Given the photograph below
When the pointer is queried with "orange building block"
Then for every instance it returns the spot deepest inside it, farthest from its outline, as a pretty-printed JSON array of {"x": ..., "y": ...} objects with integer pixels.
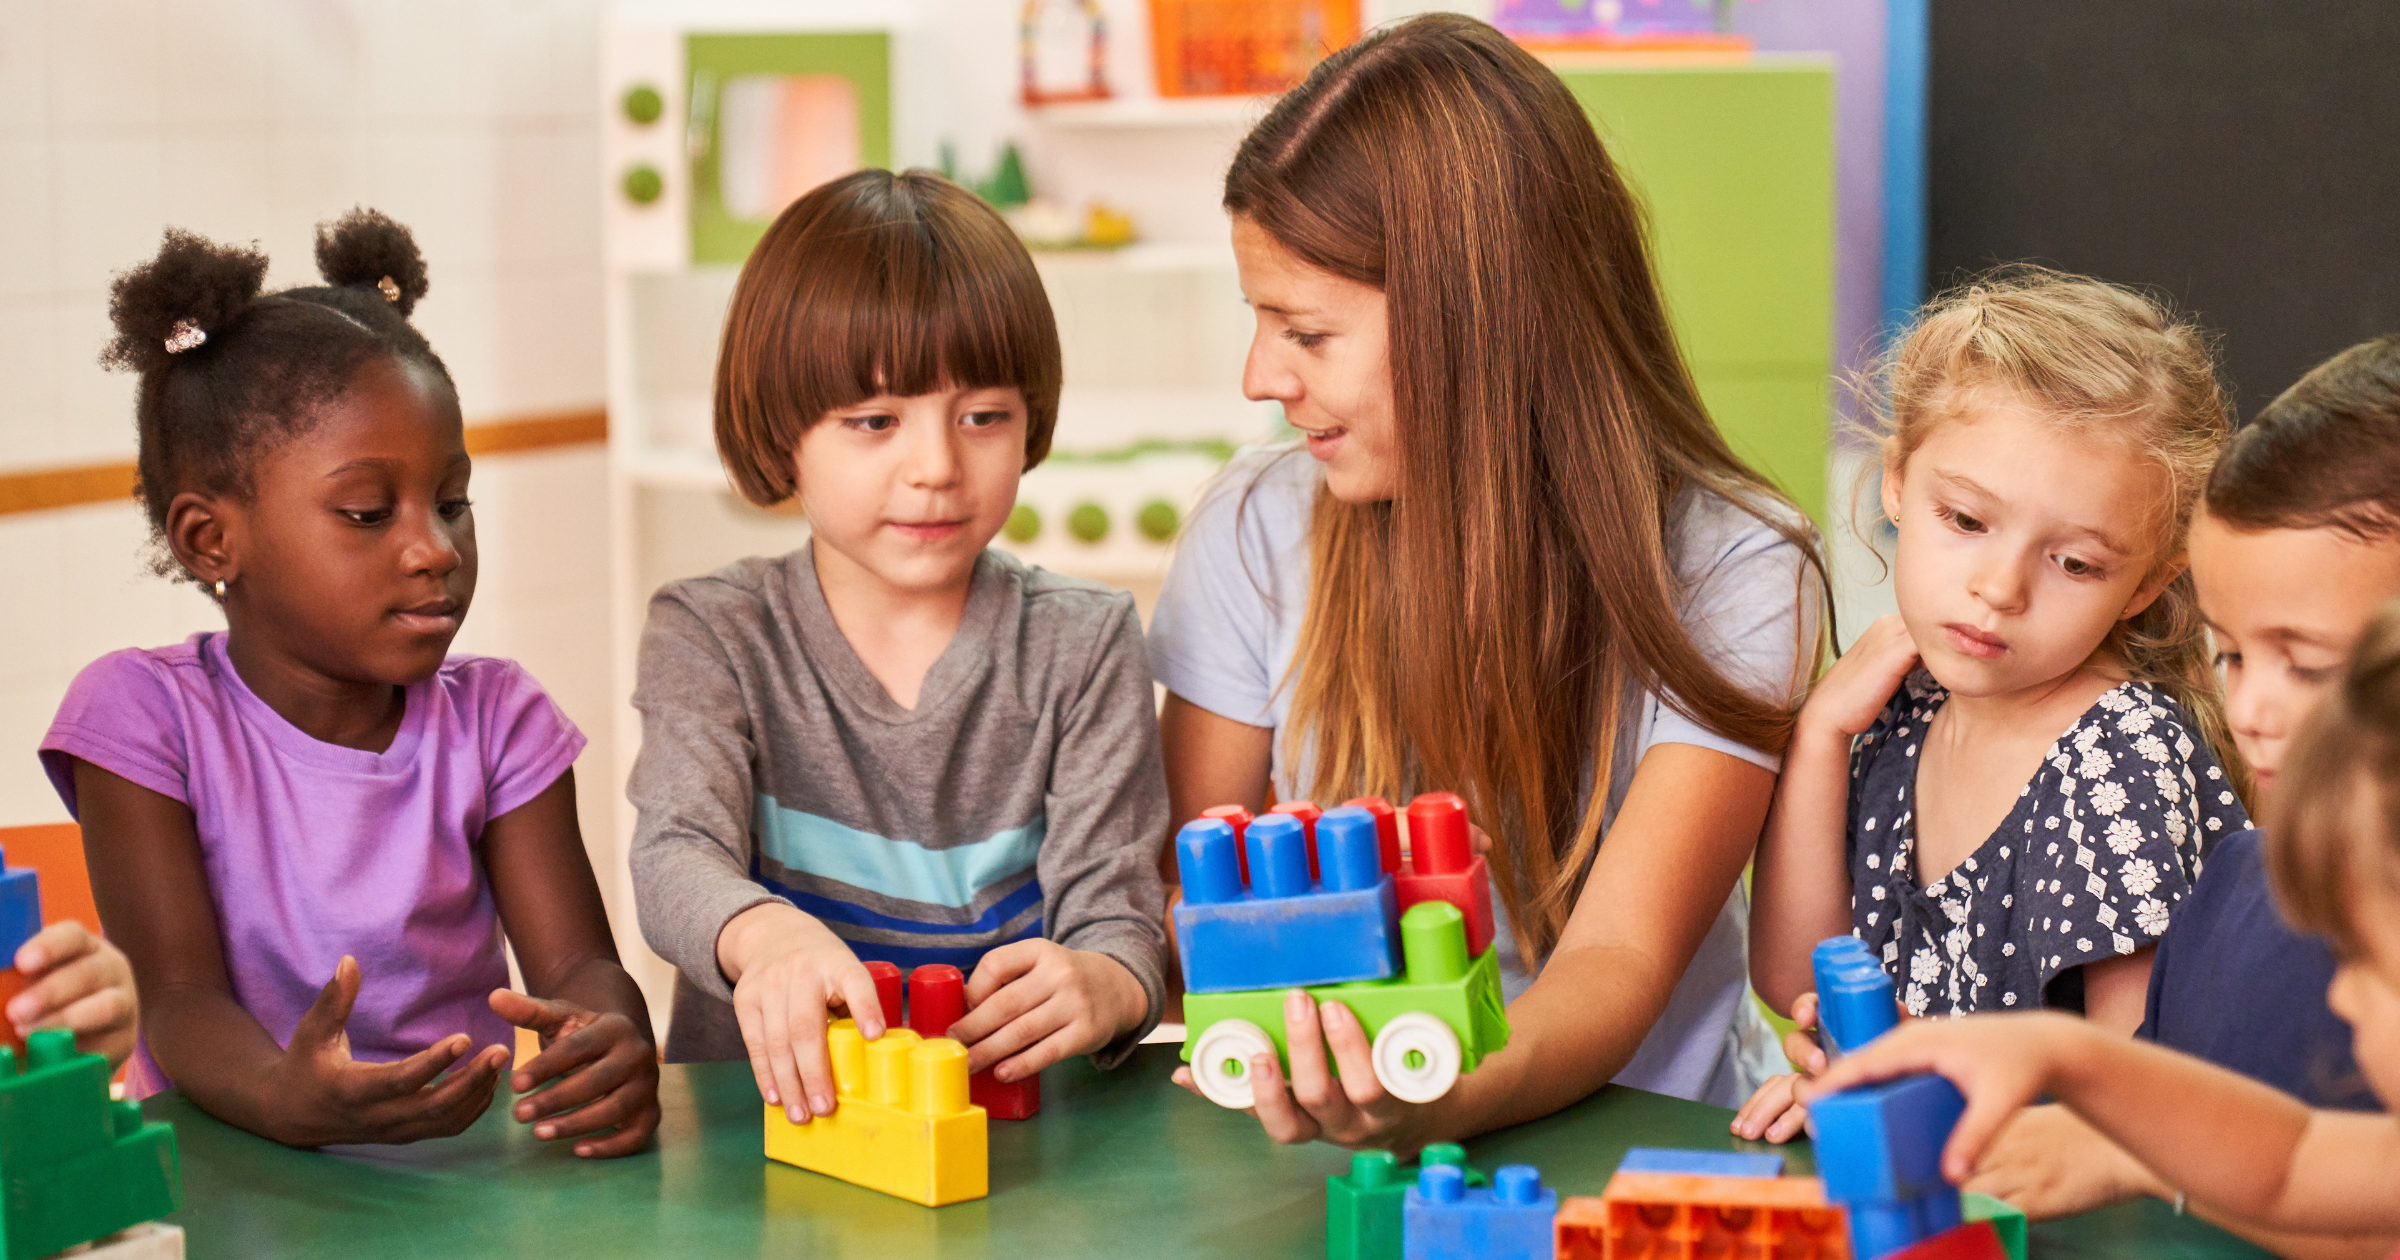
[
  {"x": 1665, "y": 1216},
  {"x": 903, "y": 1125},
  {"x": 12, "y": 983}
]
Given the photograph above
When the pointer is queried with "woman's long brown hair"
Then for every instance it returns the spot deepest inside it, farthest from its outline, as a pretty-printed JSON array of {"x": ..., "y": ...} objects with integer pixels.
[{"x": 1482, "y": 631}]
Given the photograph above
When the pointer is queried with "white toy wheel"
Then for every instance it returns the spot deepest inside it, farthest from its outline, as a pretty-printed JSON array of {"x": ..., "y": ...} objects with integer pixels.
[
  {"x": 1417, "y": 1057},
  {"x": 1221, "y": 1061}
]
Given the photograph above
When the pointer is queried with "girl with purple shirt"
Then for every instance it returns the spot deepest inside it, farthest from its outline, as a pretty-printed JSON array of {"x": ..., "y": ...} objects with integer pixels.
[{"x": 310, "y": 831}]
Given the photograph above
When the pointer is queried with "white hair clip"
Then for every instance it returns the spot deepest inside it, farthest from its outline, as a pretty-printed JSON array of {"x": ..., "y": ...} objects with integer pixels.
[
  {"x": 185, "y": 335},
  {"x": 390, "y": 291}
]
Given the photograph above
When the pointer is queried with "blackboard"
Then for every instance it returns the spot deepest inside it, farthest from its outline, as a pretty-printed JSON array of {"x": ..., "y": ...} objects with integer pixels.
[{"x": 2243, "y": 156}]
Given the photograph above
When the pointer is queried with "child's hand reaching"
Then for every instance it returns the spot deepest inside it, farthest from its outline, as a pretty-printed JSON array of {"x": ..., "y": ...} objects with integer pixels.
[
  {"x": 2000, "y": 1062},
  {"x": 1034, "y": 1003},
  {"x": 79, "y": 982},
  {"x": 319, "y": 1096},
  {"x": 788, "y": 970},
  {"x": 1774, "y": 1113},
  {"x": 604, "y": 1071}
]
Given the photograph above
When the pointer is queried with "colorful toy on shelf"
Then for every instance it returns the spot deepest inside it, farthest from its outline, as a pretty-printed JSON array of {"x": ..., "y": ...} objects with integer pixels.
[
  {"x": 1244, "y": 47},
  {"x": 936, "y": 997},
  {"x": 1656, "y": 1159},
  {"x": 2005, "y": 1220},
  {"x": 1284, "y": 929},
  {"x": 1879, "y": 1149},
  {"x": 1442, "y": 1218},
  {"x": 1362, "y": 1206},
  {"x": 74, "y": 1165},
  {"x": 1252, "y": 925},
  {"x": 1444, "y": 866},
  {"x": 903, "y": 1124},
  {"x": 20, "y": 919},
  {"x": 1621, "y": 25},
  {"x": 1854, "y": 997},
  {"x": 1062, "y": 51},
  {"x": 1672, "y": 1216}
]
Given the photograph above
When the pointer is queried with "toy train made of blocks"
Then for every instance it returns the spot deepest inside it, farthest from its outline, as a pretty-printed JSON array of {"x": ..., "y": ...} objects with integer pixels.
[{"x": 1322, "y": 900}]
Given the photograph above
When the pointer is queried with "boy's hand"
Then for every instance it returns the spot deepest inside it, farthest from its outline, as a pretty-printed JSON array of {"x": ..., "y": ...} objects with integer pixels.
[
  {"x": 1774, "y": 1113},
  {"x": 319, "y": 1095},
  {"x": 605, "y": 1071},
  {"x": 788, "y": 970},
  {"x": 1033, "y": 1003},
  {"x": 1851, "y": 695},
  {"x": 80, "y": 982},
  {"x": 2049, "y": 1163},
  {"x": 2000, "y": 1062}
]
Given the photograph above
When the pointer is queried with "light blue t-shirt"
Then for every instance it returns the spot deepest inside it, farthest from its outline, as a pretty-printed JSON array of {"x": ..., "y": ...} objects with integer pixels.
[{"x": 1228, "y": 622}]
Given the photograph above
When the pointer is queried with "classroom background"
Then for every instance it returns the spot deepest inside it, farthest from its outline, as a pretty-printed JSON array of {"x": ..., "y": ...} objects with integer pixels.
[{"x": 584, "y": 179}]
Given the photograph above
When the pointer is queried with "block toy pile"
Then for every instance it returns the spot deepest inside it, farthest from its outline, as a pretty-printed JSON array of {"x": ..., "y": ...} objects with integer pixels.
[
  {"x": 937, "y": 998},
  {"x": 903, "y": 1124},
  {"x": 1323, "y": 901},
  {"x": 75, "y": 1166},
  {"x": 1880, "y": 1194}
]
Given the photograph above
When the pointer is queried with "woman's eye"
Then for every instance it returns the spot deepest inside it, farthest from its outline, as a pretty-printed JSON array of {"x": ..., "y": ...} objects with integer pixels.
[{"x": 1306, "y": 341}]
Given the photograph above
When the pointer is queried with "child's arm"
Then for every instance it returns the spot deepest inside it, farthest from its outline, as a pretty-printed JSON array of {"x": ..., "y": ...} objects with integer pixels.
[
  {"x": 79, "y": 982},
  {"x": 152, "y": 890},
  {"x": 1099, "y": 981},
  {"x": 1800, "y": 886},
  {"x": 597, "y": 1048},
  {"x": 2225, "y": 1140}
]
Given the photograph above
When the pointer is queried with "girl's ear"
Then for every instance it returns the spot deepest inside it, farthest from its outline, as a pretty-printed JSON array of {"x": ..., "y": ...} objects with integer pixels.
[
  {"x": 2155, "y": 585},
  {"x": 196, "y": 534},
  {"x": 1889, "y": 492}
]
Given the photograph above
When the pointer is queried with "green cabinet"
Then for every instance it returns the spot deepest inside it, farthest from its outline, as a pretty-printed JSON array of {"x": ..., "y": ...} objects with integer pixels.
[{"x": 1735, "y": 167}]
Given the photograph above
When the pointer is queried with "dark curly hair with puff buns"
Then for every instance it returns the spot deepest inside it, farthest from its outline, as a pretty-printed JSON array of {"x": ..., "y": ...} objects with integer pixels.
[{"x": 265, "y": 362}]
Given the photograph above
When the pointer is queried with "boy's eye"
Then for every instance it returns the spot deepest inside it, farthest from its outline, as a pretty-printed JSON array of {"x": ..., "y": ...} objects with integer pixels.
[
  {"x": 985, "y": 419},
  {"x": 879, "y": 423},
  {"x": 1304, "y": 340}
]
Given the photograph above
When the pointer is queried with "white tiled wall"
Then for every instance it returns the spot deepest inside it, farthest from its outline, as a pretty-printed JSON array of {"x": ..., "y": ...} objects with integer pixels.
[{"x": 469, "y": 120}]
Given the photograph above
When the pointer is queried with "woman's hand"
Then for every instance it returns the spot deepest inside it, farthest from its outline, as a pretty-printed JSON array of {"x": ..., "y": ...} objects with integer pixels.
[
  {"x": 317, "y": 1095},
  {"x": 788, "y": 971},
  {"x": 79, "y": 982},
  {"x": 1034, "y": 1003},
  {"x": 1352, "y": 1110},
  {"x": 1851, "y": 695},
  {"x": 604, "y": 1071}
]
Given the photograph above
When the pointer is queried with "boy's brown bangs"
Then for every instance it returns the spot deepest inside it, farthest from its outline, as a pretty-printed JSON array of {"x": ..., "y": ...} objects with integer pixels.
[{"x": 878, "y": 284}]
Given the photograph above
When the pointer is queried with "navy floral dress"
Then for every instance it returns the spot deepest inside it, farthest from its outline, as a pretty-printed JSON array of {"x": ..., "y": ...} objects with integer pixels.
[{"x": 2104, "y": 840}]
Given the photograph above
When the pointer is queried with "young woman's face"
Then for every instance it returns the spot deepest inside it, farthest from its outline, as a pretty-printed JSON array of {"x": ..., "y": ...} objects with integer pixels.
[
  {"x": 356, "y": 553},
  {"x": 2019, "y": 545},
  {"x": 1322, "y": 350},
  {"x": 2285, "y": 605},
  {"x": 910, "y": 490}
]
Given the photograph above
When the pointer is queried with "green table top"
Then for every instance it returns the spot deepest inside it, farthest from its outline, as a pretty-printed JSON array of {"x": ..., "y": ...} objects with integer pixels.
[{"x": 1115, "y": 1164}]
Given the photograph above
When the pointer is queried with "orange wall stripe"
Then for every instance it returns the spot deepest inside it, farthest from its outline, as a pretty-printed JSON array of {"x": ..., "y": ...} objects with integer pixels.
[{"x": 42, "y": 489}]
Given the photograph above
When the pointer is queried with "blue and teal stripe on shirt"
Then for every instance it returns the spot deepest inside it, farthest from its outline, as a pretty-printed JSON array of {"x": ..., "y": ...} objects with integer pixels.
[{"x": 924, "y": 894}]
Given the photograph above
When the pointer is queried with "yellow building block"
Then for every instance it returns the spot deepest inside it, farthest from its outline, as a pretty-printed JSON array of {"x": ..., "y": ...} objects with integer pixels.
[{"x": 903, "y": 1124}]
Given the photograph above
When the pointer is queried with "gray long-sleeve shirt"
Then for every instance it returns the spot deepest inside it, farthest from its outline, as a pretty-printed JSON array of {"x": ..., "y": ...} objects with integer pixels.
[{"x": 1024, "y": 795}]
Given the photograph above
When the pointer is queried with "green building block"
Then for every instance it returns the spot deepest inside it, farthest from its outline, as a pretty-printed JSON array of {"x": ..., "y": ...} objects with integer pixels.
[
  {"x": 1470, "y": 1003},
  {"x": 2007, "y": 1221},
  {"x": 73, "y": 1164},
  {"x": 1362, "y": 1206}
]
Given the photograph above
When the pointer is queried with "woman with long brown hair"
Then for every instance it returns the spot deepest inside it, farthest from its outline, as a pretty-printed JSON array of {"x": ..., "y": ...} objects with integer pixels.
[{"x": 1523, "y": 565}]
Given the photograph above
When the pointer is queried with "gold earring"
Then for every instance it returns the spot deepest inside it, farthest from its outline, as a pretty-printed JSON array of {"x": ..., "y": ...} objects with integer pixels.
[{"x": 220, "y": 590}]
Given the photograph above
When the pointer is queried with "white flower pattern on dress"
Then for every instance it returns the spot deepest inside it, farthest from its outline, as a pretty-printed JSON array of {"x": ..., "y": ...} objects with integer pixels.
[{"x": 2119, "y": 790}]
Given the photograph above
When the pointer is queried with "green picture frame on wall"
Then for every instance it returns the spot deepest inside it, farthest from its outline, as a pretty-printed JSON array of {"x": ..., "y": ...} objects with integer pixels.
[{"x": 773, "y": 114}]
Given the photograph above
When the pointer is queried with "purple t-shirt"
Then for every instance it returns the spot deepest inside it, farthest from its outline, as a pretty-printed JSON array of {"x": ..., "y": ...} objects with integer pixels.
[{"x": 313, "y": 850}]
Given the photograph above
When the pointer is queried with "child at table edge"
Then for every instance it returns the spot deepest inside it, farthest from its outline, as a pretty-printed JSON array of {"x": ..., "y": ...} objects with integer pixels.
[{"x": 894, "y": 743}]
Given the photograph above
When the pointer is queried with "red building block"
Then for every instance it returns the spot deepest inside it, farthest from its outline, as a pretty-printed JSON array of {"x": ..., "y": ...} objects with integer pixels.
[
  {"x": 12, "y": 983},
  {"x": 1444, "y": 866},
  {"x": 1308, "y": 814},
  {"x": 1239, "y": 819},
  {"x": 887, "y": 991},
  {"x": 1387, "y": 829},
  {"x": 1976, "y": 1240},
  {"x": 937, "y": 998}
]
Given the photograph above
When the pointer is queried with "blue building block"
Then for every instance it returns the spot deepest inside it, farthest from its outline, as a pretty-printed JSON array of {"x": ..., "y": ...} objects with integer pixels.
[
  {"x": 1854, "y": 996},
  {"x": 20, "y": 909},
  {"x": 1879, "y": 1150},
  {"x": 1442, "y": 1218},
  {"x": 1284, "y": 930},
  {"x": 1659, "y": 1159}
]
